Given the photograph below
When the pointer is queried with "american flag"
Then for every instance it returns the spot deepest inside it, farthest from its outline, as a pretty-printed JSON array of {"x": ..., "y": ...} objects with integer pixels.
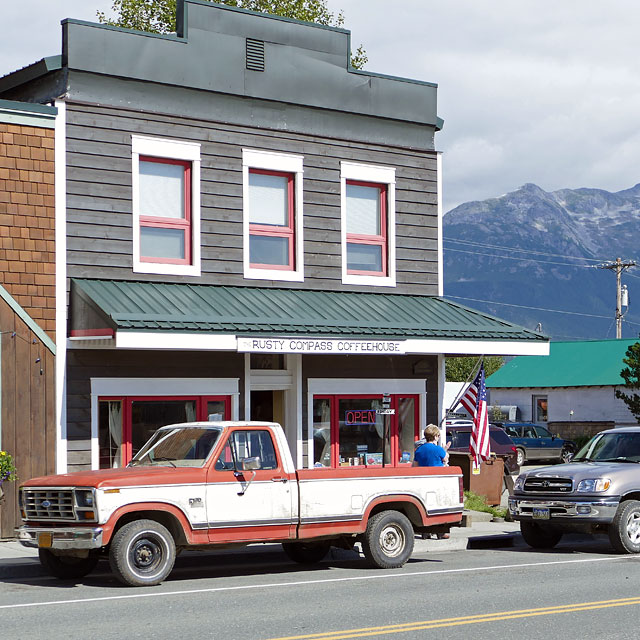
[{"x": 474, "y": 401}]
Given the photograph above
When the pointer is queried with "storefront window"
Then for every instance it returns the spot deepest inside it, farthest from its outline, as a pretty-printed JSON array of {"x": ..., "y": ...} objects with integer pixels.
[
  {"x": 110, "y": 433},
  {"x": 406, "y": 429},
  {"x": 361, "y": 434},
  {"x": 125, "y": 424},
  {"x": 149, "y": 415},
  {"x": 322, "y": 432},
  {"x": 352, "y": 430}
]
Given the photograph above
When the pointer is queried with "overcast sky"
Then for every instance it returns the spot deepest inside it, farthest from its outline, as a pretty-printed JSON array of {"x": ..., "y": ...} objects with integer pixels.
[{"x": 543, "y": 91}]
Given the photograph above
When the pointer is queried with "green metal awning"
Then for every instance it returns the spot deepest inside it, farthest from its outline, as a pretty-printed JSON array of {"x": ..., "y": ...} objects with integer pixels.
[{"x": 265, "y": 312}]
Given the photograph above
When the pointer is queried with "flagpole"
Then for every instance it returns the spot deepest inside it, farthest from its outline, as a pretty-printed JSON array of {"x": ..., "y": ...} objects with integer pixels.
[{"x": 472, "y": 375}]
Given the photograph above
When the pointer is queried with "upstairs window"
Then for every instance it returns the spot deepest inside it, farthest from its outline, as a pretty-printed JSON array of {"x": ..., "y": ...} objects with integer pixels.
[
  {"x": 165, "y": 210},
  {"x": 271, "y": 220},
  {"x": 368, "y": 224},
  {"x": 166, "y": 206},
  {"x": 366, "y": 228},
  {"x": 272, "y": 207}
]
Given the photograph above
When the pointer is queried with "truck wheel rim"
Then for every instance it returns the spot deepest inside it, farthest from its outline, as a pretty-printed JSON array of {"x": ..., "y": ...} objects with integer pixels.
[
  {"x": 392, "y": 540},
  {"x": 146, "y": 554},
  {"x": 633, "y": 527}
]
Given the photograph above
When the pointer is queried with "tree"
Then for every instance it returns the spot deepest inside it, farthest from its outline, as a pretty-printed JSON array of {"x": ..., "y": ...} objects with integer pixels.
[
  {"x": 460, "y": 369},
  {"x": 631, "y": 376},
  {"x": 159, "y": 16}
]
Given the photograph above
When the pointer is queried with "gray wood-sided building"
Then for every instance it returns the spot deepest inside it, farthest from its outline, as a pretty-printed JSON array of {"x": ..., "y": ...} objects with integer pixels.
[{"x": 253, "y": 231}]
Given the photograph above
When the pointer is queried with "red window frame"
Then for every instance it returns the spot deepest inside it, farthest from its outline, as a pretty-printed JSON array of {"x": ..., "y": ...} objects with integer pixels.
[
  {"x": 127, "y": 422},
  {"x": 393, "y": 426},
  {"x": 160, "y": 222},
  {"x": 377, "y": 240},
  {"x": 278, "y": 231}
]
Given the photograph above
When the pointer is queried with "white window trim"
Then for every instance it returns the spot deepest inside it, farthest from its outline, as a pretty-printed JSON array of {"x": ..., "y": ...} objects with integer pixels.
[
  {"x": 273, "y": 161},
  {"x": 163, "y": 387},
  {"x": 174, "y": 150},
  {"x": 381, "y": 175}
]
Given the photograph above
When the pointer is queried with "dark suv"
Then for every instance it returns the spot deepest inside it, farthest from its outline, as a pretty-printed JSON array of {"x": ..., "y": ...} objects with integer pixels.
[
  {"x": 538, "y": 443},
  {"x": 459, "y": 434}
]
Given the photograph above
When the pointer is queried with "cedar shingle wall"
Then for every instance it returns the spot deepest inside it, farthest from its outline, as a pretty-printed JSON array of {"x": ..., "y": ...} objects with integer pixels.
[{"x": 27, "y": 259}]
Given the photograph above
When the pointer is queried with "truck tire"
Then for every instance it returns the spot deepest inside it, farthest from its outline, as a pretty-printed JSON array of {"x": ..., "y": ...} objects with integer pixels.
[
  {"x": 388, "y": 540},
  {"x": 67, "y": 567},
  {"x": 624, "y": 531},
  {"x": 306, "y": 552},
  {"x": 142, "y": 553},
  {"x": 520, "y": 457},
  {"x": 539, "y": 537}
]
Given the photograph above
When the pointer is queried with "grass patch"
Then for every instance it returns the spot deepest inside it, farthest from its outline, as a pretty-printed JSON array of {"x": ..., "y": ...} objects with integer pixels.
[{"x": 474, "y": 502}]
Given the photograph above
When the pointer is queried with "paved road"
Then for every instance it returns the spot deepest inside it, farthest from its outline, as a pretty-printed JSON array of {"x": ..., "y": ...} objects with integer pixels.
[{"x": 260, "y": 596}]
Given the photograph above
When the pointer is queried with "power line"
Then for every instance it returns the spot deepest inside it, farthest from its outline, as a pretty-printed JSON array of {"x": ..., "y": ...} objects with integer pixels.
[
  {"x": 522, "y": 306},
  {"x": 531, "y": 251},
  {"x": 491, "y": 255}
]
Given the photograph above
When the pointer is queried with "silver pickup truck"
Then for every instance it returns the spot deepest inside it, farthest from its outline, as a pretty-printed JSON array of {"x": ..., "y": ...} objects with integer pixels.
[{"x": 597, "y": 492}]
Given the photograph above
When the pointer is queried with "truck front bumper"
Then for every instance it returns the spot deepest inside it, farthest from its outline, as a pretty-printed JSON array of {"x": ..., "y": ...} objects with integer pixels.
[
  {"x": 60, "y": 537},
  {"x": 541, "y": 509}
]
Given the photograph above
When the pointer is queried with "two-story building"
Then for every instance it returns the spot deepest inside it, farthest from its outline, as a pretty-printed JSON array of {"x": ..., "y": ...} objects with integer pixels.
[{"x": 253, "y": 231}]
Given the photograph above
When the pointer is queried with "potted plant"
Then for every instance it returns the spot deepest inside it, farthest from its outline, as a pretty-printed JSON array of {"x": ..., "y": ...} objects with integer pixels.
[{"x": 7, "y": 470}]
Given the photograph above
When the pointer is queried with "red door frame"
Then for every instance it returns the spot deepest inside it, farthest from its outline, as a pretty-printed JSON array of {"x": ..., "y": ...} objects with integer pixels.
[
  {"x": 393, "y": 427},
  {"x": 127, "y": 425}
]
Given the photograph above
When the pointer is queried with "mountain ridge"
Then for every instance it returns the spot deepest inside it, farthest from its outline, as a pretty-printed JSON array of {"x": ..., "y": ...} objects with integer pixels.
[{"x": 532, "y": 255}]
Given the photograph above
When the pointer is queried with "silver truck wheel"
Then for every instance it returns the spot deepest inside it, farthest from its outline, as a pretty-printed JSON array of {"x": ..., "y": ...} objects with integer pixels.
[
  {"x": 142, "y": 553},
  {"x": 539, "y": 537},
  {"x": 388, "y": 540},
  {"x": 624, "y": 531},
  {"x": 520, "y": 458},
  {"x": 67, "y": 567}
]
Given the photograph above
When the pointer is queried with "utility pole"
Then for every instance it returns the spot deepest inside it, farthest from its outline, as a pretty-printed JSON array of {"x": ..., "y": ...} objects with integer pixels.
[{"x": 619, "y": 267}]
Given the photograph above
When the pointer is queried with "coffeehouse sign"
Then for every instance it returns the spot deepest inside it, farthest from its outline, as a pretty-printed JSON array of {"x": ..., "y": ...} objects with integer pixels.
[{"x": 319, "y": 345}]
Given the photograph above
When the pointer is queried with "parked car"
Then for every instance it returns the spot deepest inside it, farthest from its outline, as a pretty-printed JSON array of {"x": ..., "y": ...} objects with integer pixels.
[
  {"x": 459, "y": 434},
  {"x": 596, "y": 493},
  {"x": 534, "y": 442}
]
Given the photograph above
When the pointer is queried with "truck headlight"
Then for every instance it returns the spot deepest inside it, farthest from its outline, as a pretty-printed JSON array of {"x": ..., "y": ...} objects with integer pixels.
[
  {"x": 518, "y": 485},
  {"x": 593, "y": 485},
  {"x": 84, "y": 498}
]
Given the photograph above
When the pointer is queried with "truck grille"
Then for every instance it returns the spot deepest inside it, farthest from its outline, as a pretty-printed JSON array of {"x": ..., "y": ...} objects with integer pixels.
[
  {"x": 548, "y": 485},
  {"x": 56, "y": 504}
]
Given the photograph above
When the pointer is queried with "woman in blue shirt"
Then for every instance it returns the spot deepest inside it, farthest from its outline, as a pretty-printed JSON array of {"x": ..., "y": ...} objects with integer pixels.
[{"x": 431, "y": 454}]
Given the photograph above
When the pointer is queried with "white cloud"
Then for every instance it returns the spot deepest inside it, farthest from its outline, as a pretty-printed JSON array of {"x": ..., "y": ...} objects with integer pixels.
[{"x": 542, "y": 91}]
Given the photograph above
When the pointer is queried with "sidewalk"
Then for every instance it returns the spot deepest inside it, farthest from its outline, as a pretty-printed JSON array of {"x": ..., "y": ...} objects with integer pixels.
[{"x": 480, "y": 532}]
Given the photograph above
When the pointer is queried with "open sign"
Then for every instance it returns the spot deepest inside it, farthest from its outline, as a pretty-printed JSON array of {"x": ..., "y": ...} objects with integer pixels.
[{"x": 365, "y": 416}]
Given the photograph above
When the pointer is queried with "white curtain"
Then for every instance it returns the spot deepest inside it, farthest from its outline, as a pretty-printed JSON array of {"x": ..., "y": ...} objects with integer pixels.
[
  {"x": 190, "y": 410},
  {"x": 115, "y": 432}
]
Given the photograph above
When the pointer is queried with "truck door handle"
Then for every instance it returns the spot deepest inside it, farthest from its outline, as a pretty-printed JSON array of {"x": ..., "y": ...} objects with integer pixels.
[{"x": 279, "y": 479}]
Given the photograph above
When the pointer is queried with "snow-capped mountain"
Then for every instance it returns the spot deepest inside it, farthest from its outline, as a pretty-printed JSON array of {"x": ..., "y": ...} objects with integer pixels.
[{"x": 565, "y": 235}]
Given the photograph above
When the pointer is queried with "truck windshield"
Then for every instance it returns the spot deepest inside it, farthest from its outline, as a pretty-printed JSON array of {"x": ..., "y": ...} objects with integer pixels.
[
  {"x": 177, "y": 447},
  {"x": 608, "y": 447}
]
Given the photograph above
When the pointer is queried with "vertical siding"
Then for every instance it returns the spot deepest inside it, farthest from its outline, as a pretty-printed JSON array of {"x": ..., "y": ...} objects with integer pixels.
[
  {"x": 28, "y": 408},
  {"x": 99, "y": 198}
]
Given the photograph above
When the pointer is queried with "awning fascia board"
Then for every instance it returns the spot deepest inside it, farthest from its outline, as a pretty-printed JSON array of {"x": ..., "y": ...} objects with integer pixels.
[{"x": 178, "y": 341}]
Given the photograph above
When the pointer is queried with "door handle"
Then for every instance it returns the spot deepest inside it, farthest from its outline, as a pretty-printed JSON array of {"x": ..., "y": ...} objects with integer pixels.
[{"x": 279, "y": 479}]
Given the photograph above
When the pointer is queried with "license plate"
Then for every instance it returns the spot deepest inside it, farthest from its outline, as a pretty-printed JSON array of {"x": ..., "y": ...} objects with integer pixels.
[
  {"x": 540, "y": 513},
  {"x": 45, "y": 540}
]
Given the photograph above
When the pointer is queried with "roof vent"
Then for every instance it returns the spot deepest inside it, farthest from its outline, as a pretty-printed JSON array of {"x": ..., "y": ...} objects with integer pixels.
[{"x": 255, "y": 54}]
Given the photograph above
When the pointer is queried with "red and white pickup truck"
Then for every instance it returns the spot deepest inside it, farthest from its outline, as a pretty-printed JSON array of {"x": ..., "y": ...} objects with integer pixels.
[{"x": 204, "y": 484}]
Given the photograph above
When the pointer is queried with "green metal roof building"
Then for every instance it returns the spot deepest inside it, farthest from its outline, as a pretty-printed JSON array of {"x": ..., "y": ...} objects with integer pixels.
[{"x": 572, "y": 389}]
